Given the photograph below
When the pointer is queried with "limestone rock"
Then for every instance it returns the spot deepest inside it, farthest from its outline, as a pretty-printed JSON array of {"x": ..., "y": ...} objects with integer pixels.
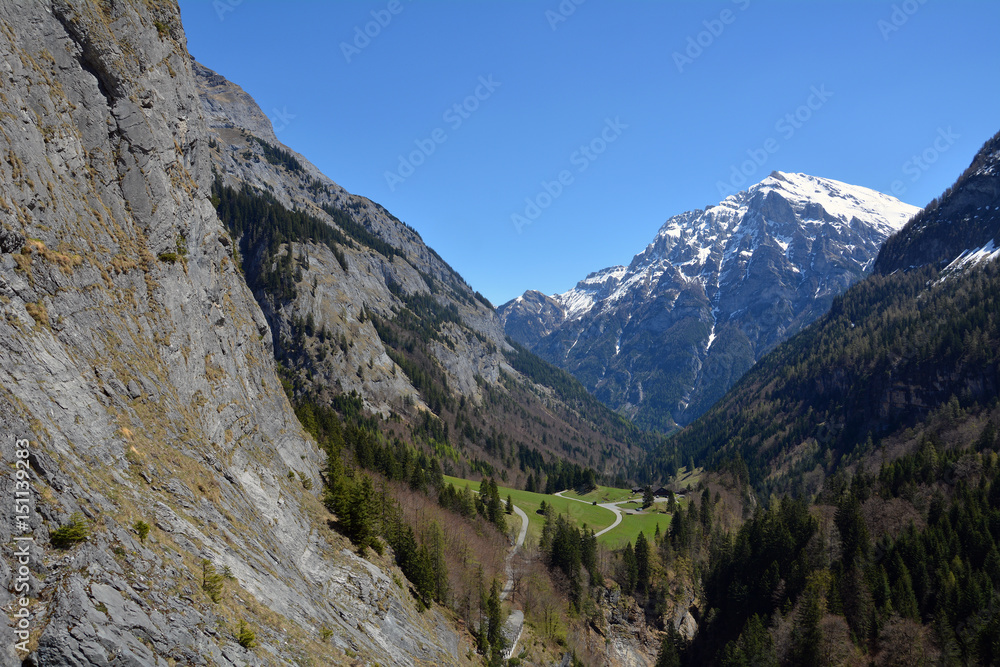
[{"x": 138, "y": 366}]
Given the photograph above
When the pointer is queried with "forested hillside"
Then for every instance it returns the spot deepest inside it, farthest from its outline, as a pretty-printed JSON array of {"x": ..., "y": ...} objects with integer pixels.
[{"x": 868, "y": 447}]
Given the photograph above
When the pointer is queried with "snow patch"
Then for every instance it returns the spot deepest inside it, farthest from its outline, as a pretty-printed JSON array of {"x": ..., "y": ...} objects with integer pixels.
[{"x": 970, "y": 258}]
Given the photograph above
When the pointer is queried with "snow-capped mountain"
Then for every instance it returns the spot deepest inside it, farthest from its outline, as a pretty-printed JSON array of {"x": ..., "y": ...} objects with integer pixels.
[{"x": 664, "y": 337}]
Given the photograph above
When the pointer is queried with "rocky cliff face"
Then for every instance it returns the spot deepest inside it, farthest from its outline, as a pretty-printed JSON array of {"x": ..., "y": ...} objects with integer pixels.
[
  {"x": 139, "y": 368},
  {"x": 384, "y": 269},
  {"x": 338, "y": 296},
  {"x": 663, "y": 338}
]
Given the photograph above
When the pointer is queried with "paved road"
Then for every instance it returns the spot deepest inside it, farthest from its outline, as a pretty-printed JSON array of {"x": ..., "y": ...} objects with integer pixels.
[
  {"x": 512, "y": 631},
  {"x": 607, "y": 506},
  {"x": 515, "y": 622},
  {"x": 509, "y": 561}
]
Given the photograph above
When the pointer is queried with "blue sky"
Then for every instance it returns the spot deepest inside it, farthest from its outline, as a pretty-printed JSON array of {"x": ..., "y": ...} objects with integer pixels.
[{"x": 532, "y": 142}]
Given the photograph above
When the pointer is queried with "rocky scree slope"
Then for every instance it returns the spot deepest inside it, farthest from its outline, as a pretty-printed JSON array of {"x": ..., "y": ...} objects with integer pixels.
[
  {"x": 373, "y": 310},
  {"x": 662, "y": 339},
  {"x": 138, "y": 365}
]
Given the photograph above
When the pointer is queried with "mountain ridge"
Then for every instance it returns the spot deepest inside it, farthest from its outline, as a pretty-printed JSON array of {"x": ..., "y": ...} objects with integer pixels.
[
  {"x": 742, "y": 275},
  {"x": 969, "y": 207},
  {"x": 896, "y": 348}
]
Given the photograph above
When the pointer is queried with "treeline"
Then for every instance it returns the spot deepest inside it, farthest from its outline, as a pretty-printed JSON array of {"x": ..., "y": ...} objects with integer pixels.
[
  {"x": 363, "y": 514},
  {"x": 277, "y": 156},
  {"x": 409, "y": 349},
  {"x": 486, "y": 503},
  {"x": 359, "y": 233},
  {"x": 890, "y": 351},
  {"x": 261, "y": 225},
  {"x": 559, "y": 475}
]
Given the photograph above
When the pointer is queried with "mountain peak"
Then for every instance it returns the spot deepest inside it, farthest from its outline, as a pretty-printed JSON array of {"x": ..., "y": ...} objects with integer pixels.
[
  {"x": 713, "y": 291},
  {"x": 841, "y": 201}
]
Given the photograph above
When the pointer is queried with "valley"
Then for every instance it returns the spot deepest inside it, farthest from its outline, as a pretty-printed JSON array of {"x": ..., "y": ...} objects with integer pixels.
[
  {"x": 613, "y": 529},
  {"x": 253, "y": 418}
]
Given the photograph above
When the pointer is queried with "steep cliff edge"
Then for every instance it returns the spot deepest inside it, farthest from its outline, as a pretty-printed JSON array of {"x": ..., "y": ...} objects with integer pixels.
[
  {"x": 137, "y": 365},
  {"x": 357, "y": 302}
]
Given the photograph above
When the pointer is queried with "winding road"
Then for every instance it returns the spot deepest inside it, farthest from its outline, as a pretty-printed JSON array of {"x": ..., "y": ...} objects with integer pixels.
[
  {"x": 607, "y": 506},
  {"x": 509, "y": 561},
  {"x": 515, "y": 622}
]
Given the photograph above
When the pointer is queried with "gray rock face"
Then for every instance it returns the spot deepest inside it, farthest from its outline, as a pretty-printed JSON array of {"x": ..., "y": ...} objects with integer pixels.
[
  {"x": 136, "y": 363},
  {"x": 340, "y": 299},
  {"x": 663, "y": 338},
  {"x": 336, "y": 297}
]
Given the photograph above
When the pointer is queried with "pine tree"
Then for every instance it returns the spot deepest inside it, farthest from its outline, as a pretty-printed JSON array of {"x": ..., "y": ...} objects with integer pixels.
[
  {"x": 360, "y": 522},
  {"x": 807, "y": 635},
  {"x": 670, "y": 654},
  {"x": 705, "y": 513},
  {"x": 495, "y": 620},
  {"x": 855, "y": 543},
  {"x": 753, "y": 648},
  {"x": 629, "y": 570},
  {"x": 642, "y": 565},
  {"x": 211, "y": 581},
  {"x": 434, "y": 538},
  {"x": 904, "y": 602}
]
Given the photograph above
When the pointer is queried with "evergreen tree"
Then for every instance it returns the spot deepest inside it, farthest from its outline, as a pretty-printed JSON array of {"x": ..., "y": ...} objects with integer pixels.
[
  {"x": 705, "y": 511},
  {"x": 642, "y": 564},
  {"x": 807, "y": 635},
  {"x": 855, "y": 543},
  {"x": 495, "y": 621},
  {"x": 753, "y": 648},
  {"x": 361, "y": 522},
  {"x": 630, "y": 573},
  {"x": 670, "y": 652}
]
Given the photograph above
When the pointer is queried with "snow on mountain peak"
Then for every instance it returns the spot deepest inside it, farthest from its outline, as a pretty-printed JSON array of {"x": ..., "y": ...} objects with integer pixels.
[
  {"x": 841, "y": 200},
  {"x": 664, "y": 337},
  {"x": 579, "y": 300},
  {"x": 704, "y": 245}
]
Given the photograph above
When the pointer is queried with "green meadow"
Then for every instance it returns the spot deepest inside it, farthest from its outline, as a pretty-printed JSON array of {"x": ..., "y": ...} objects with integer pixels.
[
  {"x": 592, "y": 516},
  {"x": 603, "y": 494}
]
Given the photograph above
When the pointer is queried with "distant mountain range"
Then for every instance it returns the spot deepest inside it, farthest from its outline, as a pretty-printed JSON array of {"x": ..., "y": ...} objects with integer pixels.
[{"x": 663, "y": 338}]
